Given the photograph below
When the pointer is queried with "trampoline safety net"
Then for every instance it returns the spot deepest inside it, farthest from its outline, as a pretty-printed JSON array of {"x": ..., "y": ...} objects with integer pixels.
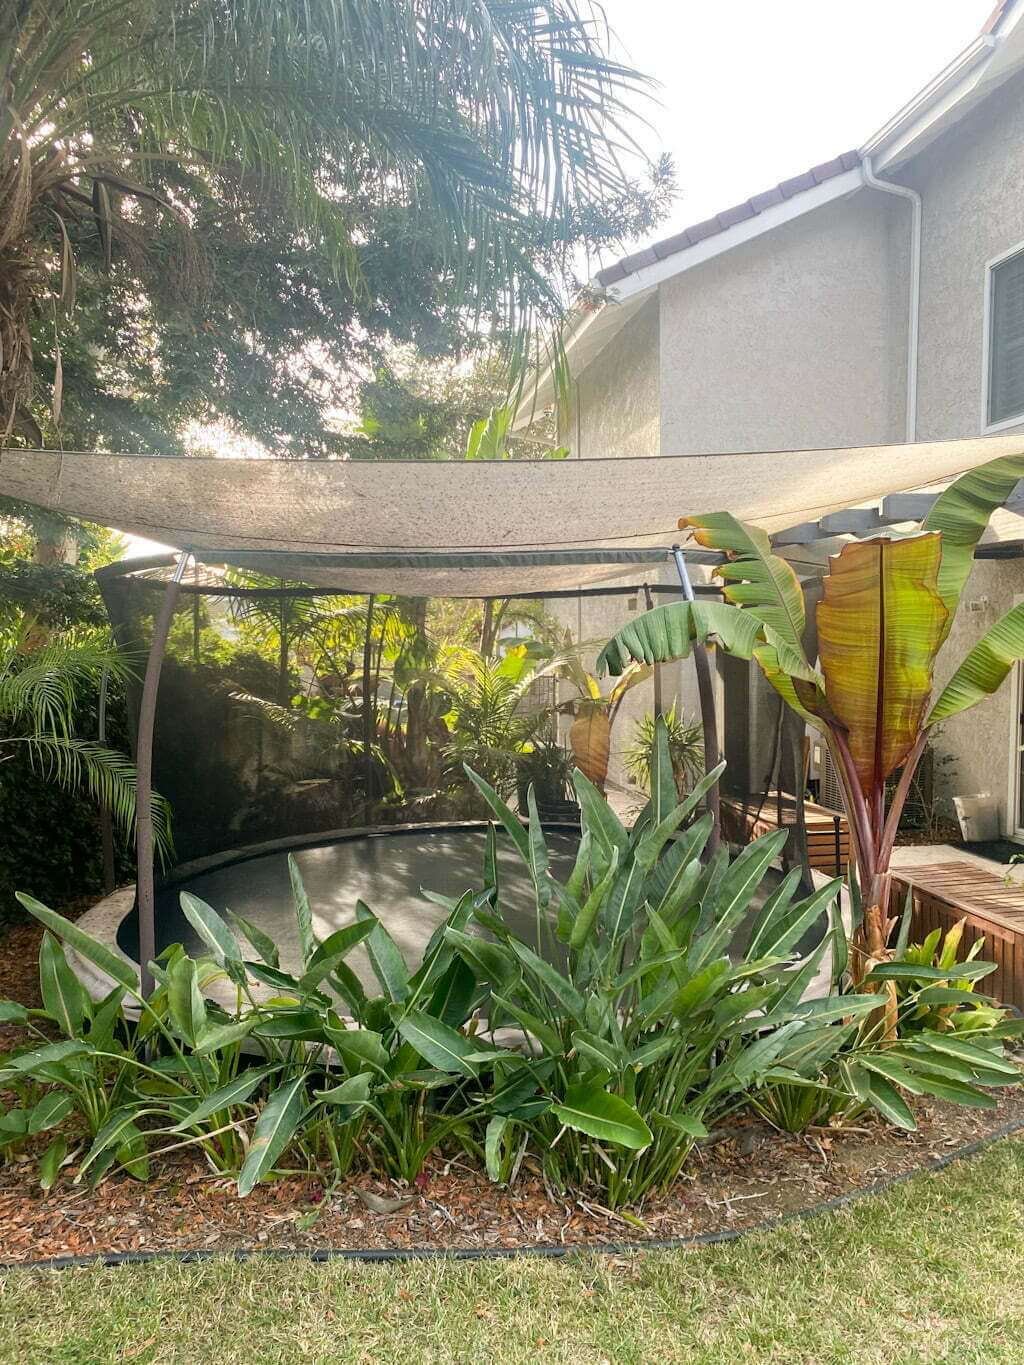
[{"x": 287, "y": 710}]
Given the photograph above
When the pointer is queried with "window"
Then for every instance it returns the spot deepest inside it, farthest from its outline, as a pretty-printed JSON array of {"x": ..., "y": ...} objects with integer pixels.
[{"x": 1005, "y": 378}]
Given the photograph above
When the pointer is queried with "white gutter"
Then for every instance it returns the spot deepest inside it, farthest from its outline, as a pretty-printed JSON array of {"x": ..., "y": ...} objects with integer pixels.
[
  {"x": 941, "y": 85},
  {"x": 914, "y": 319}
]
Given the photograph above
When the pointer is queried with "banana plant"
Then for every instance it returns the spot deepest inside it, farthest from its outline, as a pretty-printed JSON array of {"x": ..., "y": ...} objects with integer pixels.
[
  {"x": 593, "y": 711},
  {"x": 887, "y": 609}
]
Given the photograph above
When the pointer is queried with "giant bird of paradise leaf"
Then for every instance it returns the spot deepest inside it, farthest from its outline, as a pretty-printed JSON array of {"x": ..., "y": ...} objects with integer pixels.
[{"x": 887, "y": 608}]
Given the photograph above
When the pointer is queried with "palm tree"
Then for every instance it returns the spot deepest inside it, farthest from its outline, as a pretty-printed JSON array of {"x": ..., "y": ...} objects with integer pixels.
[
  {"x": 40, "y": 694},
  {"x": 496, "y": 122}
]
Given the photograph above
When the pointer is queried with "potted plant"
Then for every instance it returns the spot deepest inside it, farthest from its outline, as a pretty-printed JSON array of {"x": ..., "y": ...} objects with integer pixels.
[{"x": 548, "y": 768}]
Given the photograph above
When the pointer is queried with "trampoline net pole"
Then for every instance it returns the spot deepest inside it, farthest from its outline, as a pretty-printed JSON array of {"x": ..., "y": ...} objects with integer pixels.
[
  {"x": 708, "y": 715},
  {"x": 145, "y": 892}
]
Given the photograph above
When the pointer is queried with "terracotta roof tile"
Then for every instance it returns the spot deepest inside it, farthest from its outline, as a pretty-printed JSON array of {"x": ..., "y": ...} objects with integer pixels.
[{"x": 728, "y": 218}]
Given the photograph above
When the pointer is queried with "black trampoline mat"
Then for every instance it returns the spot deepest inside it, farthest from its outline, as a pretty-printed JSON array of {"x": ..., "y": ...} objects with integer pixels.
[{"x": 385, "y": 870}]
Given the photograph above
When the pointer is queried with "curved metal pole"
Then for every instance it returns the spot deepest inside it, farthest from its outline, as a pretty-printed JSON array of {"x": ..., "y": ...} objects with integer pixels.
[
  {"x": 708, "y": 714},
  {"x": 144, "y": 775},
  {"x": 106, "y": 823},
  {"x": 659, "y": 709}
]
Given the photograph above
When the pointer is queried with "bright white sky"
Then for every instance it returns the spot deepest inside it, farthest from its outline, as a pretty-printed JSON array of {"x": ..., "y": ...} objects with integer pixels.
[{"x": 754, "y": 91}]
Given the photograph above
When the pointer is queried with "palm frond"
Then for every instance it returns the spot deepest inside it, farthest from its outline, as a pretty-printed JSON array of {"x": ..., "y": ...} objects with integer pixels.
[{"x": 107, "y": 775}]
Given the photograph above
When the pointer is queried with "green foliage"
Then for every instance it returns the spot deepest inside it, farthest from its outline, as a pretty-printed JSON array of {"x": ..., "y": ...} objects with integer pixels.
[
  {"x": 943, "y": 1003},
  {"x": 490, "y": 728},
  {"x": 44, "y": 696},
  {"x": 685, "y": 748},
  {"x": 547, "y": 768},
  {"x": 276, "y": 194},
  {"x": 600, "y": 1048}
]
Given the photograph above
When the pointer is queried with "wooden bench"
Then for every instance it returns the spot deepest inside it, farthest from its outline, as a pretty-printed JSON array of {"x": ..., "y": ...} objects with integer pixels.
[
  {"x": 828, "y": 835},
  {"x": 943, "y": 893}
]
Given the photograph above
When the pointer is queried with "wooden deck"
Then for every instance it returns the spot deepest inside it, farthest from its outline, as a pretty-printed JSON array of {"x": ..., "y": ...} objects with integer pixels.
[
  {"x": 946, "y": 892},
  {"x": 828, "y": 836}
]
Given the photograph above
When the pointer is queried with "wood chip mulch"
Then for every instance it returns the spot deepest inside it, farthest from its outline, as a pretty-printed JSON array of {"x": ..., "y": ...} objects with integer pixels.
[{"x": 747, "y": 1174}]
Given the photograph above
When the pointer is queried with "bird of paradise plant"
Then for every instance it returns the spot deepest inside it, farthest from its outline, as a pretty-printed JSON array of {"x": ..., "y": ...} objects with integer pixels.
[{"x": 887, "y": 609}]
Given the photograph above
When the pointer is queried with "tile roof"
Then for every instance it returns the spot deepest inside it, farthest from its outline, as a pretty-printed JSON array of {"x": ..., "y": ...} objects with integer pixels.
[{"x": 750, "y": 208}]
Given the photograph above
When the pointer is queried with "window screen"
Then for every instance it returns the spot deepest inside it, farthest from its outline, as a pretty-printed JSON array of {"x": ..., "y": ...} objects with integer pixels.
[{"x": 1006, "y": 341}]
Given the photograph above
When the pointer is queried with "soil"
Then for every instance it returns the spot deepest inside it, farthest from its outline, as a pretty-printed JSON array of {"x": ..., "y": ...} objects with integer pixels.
[{"x": 745, "y": 1175}]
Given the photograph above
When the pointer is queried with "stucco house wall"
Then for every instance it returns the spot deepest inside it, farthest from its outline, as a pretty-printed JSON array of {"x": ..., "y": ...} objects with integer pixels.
[
  {"x": 971, "y": 181},
  {"x": 796, "y": 339},
  {"x": 616, "y": 402}
]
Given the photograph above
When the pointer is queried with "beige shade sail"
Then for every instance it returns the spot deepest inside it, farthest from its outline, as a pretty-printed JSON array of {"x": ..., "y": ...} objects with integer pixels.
[{"x": 465, "y": 528}]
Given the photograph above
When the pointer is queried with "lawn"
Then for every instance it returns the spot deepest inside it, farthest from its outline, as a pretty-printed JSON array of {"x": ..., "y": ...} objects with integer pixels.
[{"x": 930, "y": 1272}]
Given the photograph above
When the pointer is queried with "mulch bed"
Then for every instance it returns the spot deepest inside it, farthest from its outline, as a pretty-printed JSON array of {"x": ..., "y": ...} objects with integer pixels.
[
  {"x": 749, "y": 1176},
  {"x": 746, "y": 1175}
]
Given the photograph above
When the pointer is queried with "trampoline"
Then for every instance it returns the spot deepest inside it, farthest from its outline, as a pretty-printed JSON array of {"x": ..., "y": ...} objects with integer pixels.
[{"x": 388, "y": 869}]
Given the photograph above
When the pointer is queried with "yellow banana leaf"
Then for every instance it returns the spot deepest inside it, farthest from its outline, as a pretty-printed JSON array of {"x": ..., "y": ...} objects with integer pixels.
[
  {"x": 590, "y": 741},
  {"x": 880, "y": 624}
]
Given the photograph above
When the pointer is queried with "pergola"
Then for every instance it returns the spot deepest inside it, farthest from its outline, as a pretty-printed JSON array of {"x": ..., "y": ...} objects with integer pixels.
[{"x": 479, "y": 529}]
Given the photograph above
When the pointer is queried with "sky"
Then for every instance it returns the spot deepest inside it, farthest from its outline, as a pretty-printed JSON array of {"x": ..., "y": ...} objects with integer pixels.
[{"x": 754, "y": 91}]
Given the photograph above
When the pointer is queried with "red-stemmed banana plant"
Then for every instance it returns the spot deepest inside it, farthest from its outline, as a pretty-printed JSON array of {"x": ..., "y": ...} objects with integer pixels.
[{"x": 886, "y": 611}]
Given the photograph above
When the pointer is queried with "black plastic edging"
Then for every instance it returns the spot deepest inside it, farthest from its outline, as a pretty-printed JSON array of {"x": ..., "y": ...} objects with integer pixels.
[{"x": 319, "y": 1255}]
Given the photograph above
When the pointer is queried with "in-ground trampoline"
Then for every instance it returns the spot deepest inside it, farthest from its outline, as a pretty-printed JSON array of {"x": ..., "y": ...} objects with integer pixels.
[{"x": 388, "y": 869}]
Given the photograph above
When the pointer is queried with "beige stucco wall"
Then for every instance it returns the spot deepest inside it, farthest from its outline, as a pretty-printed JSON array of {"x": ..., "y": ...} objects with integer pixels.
[
  {"x": 971, "y": 182},
  {"x": 794, "y": 340},
  {"x": 615, "y": 408},
  {"x": 979, "y": 743}
]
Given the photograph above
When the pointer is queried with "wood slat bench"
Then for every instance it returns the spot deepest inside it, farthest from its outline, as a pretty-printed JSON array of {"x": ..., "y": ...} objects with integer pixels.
[
  {"x": 943, "y": 893},
  {"x": 828, "y": 835}
]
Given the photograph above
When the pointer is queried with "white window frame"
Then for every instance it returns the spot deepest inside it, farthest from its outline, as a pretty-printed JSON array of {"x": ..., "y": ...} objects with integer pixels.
[
  {"x": 1006, "y": 423},
  {"x": 1012, "y": 825}
]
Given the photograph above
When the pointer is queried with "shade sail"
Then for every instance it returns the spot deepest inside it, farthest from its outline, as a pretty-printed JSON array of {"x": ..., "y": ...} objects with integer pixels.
[{"x": 465, "y": 529}]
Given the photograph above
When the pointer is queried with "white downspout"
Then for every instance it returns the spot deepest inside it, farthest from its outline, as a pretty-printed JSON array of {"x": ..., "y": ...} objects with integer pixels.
[{"x": 913, "y": 323}]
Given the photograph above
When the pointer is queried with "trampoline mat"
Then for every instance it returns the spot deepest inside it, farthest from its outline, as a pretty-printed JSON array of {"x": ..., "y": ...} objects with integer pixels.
[{"x": 386, "y": 870}]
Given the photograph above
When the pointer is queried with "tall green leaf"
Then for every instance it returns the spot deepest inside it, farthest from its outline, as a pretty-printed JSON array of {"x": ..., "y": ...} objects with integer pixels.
[
  {"x": 116, "y": 967},
  {"x": 511, "y": 822},
  {"x": 235, "y": 1091},
  {"x": 984, "y": 668},
  {"x": 591, "y": 1109},
  {"x": 210, "y": 928},
  {"x": 385, "y": 957},
  {"x": 962, "y": 512},
  {"x": 185, "y": 999},
  {"x": 274, "y": 1129},
  {"x": 63, "y": 995},
  {"x": 437, "y": 1044},
  {"x": 303, "y": 913}
]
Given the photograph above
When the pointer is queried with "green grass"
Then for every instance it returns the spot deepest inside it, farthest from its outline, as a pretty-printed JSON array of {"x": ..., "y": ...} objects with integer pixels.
[{"x": 931, "y": 1272}]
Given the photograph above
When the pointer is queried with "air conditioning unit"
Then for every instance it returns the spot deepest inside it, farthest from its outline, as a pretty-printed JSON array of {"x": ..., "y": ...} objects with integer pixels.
[{"x": 823, "y": 770}]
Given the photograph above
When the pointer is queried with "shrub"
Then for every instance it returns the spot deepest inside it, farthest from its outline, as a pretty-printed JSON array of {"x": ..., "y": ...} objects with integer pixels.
[
  {"x": 614, "y": 1038},
  {"x": 685, "y": 745}
]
